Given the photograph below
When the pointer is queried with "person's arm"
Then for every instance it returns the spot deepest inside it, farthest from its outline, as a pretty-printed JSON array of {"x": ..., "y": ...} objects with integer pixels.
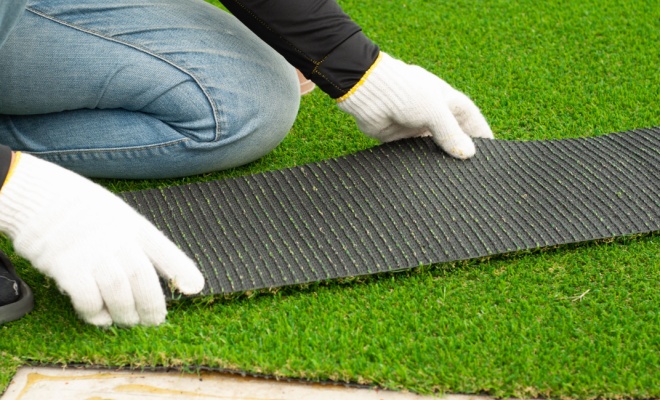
[
  {"x": 389, "y": 99},
  {"x": 315, "y": 36},
  {"x": 99, "y": 251}
]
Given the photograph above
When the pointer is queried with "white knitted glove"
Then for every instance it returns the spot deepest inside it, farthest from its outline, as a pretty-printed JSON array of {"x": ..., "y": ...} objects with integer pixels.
[
  {"x": 395, "y": 100},
  {"x": 99, "y": 251}
]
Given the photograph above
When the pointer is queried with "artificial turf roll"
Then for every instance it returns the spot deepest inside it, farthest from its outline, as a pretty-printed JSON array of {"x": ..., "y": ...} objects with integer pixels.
[{"x": 405, "y": 204}]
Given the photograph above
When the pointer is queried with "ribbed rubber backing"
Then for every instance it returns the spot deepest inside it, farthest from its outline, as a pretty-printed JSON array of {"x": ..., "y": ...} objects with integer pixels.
[{"x": 405, "y": 204}]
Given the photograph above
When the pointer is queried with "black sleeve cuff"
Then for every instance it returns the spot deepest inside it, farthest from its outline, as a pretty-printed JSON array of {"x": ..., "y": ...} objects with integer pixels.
[
  {"x": 345, "y": 65},
  {"x": 5, "y": 163}
]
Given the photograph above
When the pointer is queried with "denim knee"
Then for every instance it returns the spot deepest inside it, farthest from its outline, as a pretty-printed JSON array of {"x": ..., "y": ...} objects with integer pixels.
[
  {"x": 182, "y": 101},
  {"x": 255, "y": 117}
]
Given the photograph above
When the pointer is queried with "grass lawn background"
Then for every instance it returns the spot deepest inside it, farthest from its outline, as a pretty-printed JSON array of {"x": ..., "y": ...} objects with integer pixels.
[{"x": 508, "y": 326}]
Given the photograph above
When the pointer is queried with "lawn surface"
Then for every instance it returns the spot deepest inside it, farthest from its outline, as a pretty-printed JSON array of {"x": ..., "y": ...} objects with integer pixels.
[{"x": 578, "y": 321}]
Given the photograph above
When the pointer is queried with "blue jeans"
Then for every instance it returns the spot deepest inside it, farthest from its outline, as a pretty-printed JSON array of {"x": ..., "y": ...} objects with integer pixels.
[{"x": 142, "y": 88}]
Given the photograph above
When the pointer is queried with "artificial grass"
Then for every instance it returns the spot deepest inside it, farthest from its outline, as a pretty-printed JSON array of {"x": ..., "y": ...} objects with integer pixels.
[{"x": 578, "y": 321}]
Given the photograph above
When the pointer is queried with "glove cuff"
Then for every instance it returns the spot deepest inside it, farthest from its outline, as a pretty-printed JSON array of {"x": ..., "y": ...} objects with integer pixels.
[
  {"x": 374, "y": 96},
  {"x": 362, "y": 80},
  {"x": 30, "y": 187}
]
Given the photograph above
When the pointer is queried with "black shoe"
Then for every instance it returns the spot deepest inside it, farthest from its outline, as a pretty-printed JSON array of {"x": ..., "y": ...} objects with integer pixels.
[{"x": 16, "y": 298}]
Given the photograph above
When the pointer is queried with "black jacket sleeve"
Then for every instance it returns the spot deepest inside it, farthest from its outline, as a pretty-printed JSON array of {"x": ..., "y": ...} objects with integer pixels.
[
  {"x": 5, "y": 163},
  {"x": 315, "y": 36}
]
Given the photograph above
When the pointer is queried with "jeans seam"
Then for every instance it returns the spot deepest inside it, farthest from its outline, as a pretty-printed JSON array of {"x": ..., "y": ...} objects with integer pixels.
[
  {"x": 209, "y": 99},
  {"x": 110, "y": 149}
]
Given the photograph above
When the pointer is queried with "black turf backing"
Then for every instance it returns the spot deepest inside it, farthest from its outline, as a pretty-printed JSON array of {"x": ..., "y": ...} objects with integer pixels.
[{"x": 406, "y": 204}]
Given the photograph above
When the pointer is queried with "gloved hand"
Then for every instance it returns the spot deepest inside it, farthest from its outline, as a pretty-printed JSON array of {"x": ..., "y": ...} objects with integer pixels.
[
  {"x": 99, "y": 251},
  {"x": 395, "y": 100}
]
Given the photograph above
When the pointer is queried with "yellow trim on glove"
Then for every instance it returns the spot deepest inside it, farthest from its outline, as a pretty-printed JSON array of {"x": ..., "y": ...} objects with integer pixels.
[
  {"x": 362, "y": 80},
  {"x": 12, "y": 167}
]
